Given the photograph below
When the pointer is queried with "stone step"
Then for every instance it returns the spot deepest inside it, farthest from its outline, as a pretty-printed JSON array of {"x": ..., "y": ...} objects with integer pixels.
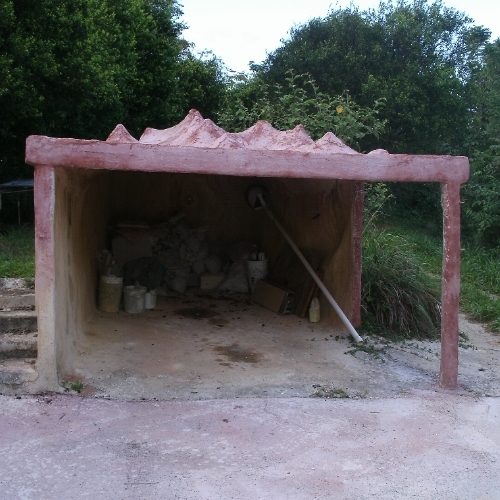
[
  {"x": 18, "y": 320},
  {"x": 16, "y": 372},
  {"x": 17, "y": 298},
  {"x": 15, "y": 345},
  {"x": 15, "y": 283}
]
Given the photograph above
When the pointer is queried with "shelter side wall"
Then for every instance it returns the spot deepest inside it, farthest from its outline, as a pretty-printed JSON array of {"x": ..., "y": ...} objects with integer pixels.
[
  {"x": 317, "y": 216},
  {"x": 80, "y": 217}
]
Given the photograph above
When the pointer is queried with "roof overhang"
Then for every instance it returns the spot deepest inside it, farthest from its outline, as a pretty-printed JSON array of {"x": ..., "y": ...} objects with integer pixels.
[{"x": 198, "y": 146}]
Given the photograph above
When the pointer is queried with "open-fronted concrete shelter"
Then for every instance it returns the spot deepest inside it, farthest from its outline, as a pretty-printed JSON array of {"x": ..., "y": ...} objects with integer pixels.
[{"x": 195, "y": 167}]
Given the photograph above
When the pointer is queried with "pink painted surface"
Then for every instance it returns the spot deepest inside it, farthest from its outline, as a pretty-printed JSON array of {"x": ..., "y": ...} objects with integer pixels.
[
  {"x": 450, "y": 299},
  {"x": 75, "y": 153},
  {"x": 356, "y": 256},
  {"x": 199, "y": 146},
  {"x": 194, "y": 131}
]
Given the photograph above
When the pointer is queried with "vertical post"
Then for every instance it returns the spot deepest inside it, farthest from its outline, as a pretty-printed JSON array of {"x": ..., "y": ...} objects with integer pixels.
[
  {"x": 356, "y": 249},
  {"x": 44, "y": 196},
  {"x": 450, "y": 199}
]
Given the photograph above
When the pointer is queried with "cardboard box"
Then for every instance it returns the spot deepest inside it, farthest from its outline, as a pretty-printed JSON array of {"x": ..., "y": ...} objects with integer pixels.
[{"x": 272, "y": 297}]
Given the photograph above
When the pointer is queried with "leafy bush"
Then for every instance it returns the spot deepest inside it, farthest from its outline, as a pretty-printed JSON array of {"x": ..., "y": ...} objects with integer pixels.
[
  {"x": 398, "y": 296},
  {"x": 482, "y": 208},
  {"x": 299, "y": 101}
]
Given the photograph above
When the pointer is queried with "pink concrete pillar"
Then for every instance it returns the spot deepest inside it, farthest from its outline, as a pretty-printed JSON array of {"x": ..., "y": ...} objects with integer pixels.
[
  {"x": 356, "y": 249},
  {"x": 45, "y": 278},
  {"x": 450, "y": 297}
]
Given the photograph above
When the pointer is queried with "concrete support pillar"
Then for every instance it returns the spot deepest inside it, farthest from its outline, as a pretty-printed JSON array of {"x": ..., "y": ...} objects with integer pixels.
[
  {"x": 356, "y": 248},
  {"x": 45, "y": 278},
  {"x": 450, "y": 199}
]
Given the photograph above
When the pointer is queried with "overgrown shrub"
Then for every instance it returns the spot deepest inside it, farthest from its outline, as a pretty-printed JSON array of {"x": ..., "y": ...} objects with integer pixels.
[
  {"x": 398, "y": 295},
  {"x": 299, "y": 101}
]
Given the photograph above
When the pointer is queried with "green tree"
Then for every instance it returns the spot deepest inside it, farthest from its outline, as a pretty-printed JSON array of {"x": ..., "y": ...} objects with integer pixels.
[
  {"x": 481, "y": 213},
  {"x": 202, "y": 83},
  {"x": 299, "y": 101},
  {"x": 77, "y": 68},
  {"x": 421, "y": 57}
]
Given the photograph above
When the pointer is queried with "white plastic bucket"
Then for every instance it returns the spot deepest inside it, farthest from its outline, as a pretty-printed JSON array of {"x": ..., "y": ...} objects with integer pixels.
[
  {"x": 134, "y": 299},
  {"x": 151, "y": 299},
  {"x": 110, "y": 293},
  {"x": 257, "y": 270}
]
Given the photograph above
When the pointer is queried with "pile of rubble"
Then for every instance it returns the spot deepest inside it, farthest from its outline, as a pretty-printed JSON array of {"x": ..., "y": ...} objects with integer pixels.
[{"x": 174, "y": 256}]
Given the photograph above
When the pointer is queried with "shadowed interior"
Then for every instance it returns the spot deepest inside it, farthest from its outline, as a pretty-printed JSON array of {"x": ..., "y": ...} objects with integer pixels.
[{"x": 88, "y": 201}]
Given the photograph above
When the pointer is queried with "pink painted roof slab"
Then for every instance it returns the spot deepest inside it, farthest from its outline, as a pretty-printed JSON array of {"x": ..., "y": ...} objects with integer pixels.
[
  {"x": 198, "y": 145},
  {"x": 194, "y": 131}
]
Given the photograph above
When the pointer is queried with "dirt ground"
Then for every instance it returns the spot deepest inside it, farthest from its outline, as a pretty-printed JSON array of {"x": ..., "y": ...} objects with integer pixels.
[{"x": 217, "y": 346}]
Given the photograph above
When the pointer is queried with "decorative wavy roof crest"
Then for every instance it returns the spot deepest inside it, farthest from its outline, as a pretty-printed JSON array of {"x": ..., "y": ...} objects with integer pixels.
[{"x": 195, "y": 131}]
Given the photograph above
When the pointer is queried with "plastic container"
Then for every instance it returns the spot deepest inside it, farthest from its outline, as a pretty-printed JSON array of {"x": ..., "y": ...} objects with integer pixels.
[
  {"x": 257, "y": 270},
  {"x": 314, "y": 311},
  {"x": 134, "y": 299},
  {"x": 150, "y": 299},
  {"x": 110, "y": 293}
]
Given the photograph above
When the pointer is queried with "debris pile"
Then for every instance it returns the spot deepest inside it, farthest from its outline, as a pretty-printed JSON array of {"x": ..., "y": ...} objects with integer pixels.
[{"x": 175, "y": 256}]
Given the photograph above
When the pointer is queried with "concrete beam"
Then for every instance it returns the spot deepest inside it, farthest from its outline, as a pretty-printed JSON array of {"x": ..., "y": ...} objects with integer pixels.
[
  {"x": 450, "y": 298},
  {"x": 376, "y": 167}
]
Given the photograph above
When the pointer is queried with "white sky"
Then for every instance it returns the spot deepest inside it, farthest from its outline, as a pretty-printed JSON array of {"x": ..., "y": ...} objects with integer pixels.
[{"x": 239, "y": 31}]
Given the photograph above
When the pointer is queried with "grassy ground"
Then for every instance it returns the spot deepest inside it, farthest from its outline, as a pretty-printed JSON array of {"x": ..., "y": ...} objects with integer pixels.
[
  {"x": 17, "y": 253},
  {"x": 480, "y": 276}
]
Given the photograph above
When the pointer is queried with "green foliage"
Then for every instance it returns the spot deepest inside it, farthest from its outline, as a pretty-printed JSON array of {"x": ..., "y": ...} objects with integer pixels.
[
  {"x": 481, "y": 195},
  {"x": 482, "y": 201},
  {"x": 77, "y": 386},
  {"x": 17, "y": 253},
  {"x": 77, "y": 68},
  {"x": 299, "y": 101},
  {"x": 422, "y": 57},
  {"x": 488, "y": 98},
  {"x": 201, "y": 82},
  {"x": 398, "y": 296},
  {"x": 480, "y": 280},
  {"x": 240, "y": 108},
  {"x": 377, "y": 198}
]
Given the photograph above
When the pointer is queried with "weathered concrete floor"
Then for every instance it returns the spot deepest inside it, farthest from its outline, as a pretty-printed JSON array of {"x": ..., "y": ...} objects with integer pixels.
[
  {"x": 422, "y": 445},
  {"x": 200, "y": 347}
]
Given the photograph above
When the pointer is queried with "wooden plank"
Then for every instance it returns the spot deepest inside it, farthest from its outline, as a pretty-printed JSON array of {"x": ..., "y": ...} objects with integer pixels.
[
  {"x": 290, "y": 273},
  {"x": 313, "y": 292}
]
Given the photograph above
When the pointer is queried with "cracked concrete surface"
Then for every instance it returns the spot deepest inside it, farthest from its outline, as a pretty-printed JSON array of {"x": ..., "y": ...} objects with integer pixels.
[
  {"x": 220, "y": 408},
  {"x": 207, "y": 346},
  {"x": 423, "y": 445}
]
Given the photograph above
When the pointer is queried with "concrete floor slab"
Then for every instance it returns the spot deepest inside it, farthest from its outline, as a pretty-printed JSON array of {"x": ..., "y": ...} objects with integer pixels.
[
  {"x": 216, "y": 346},
  {"x": 211, "y": 346},
  {"x": 424, "y": 445}
]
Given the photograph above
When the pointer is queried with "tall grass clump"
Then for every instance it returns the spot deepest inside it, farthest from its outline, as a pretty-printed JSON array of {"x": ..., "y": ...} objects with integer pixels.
[{"x": 399, "y": 298}]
